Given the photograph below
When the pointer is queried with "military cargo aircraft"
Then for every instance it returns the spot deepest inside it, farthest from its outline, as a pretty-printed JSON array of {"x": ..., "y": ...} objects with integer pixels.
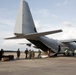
[{"x": 25, "y": 28}]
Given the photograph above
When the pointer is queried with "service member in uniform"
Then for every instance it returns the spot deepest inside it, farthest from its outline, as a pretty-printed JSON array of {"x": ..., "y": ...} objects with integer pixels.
[
  {"x": 18, "y": 53},
  {"x": 26, "y": 53}
]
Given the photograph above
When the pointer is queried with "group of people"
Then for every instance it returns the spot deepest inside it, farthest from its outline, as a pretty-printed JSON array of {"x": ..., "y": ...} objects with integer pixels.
[
  {"x": 29, "y": 54},
  {"x": 70, "y": 53}
]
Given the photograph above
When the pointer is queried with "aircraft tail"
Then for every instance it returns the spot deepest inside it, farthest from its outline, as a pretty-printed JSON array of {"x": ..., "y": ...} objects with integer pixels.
[
  {"x": 25, "y": 27},
  {"x": 24, "y": 24}
]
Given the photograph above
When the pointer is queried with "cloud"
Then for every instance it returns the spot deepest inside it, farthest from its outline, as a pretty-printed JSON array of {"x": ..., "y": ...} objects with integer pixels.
[
  {"x": 15, "y": 44},
  {"x": 63, "y": 3},
  {"x": 67, "y": 23},
  {"x": 54, "y": 16},
  {"x": 11, "y": 44},
  {"x": 69, "y": 31},
  {"x": 6, "y": 22},
  {"x": 38, "y": 25},
  {"x": 45, "y": 13},
  {"x": 7, "y": 44},
  {"x": 42, "y": 12}
]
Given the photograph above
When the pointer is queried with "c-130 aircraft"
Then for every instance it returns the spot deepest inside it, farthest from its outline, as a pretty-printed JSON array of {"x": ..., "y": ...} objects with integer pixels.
[{"x": 25, "y": 28}]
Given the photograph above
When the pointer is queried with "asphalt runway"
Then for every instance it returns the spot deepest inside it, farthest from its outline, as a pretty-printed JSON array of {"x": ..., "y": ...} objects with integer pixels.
[{"x": 47, "y": 66}]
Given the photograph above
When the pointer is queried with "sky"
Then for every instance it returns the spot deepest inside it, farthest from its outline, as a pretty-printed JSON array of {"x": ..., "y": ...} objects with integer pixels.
[{"x": 47, "y": 14}]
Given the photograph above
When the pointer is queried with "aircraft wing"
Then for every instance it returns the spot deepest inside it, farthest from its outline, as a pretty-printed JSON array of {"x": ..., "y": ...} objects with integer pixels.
[{"x": 30, "y": 36}]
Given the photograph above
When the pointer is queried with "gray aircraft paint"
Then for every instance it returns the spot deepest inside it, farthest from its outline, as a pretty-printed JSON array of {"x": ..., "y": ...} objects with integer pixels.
[
  {"x": 24, "y": 24},
  {"x": 71, "y": 45},
  {"x": 51, "y": 43}
]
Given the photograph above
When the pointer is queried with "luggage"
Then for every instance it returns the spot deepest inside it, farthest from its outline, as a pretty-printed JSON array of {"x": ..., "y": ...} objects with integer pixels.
[{"x": 5, "y": 59}]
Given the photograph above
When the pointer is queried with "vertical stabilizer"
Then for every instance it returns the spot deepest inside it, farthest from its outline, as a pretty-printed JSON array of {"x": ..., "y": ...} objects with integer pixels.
[{"x": 24, "y": 24}]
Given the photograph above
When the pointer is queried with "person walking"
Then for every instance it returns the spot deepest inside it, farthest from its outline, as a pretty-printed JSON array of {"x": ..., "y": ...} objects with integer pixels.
[
  {"x": 49, "y": 51},
  {"x": 39, "y": 54},
  {"x": 1, "y": 53},
  {"x": 18, "y": 53},
  {"x": 30, "y": 54},
  {"x": 26, "y": 53},
  {"x": 66, "y": 52},
  {"x": 75, "y": 52},
  {"x": 33, "y": 54}
]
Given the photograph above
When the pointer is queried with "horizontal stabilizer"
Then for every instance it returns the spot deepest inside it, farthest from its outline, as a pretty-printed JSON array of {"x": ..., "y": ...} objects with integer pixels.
[
  {"x": 12, "y": 38},
  {"x": 45, "y": 33},
  {"x": 30, "y": 36}
]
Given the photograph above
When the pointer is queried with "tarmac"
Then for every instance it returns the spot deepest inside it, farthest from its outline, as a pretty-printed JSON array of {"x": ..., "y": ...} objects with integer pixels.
[{"x": 46, "y": 66}]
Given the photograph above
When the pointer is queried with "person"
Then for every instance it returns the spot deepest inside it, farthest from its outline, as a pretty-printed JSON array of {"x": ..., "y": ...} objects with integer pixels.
[
  {"x": 18, "y": 53},
  {"x": 70, "y": 53},
  {"x": 26, "y": 52},
  {"x": 75, "y": 52},
  {"x": 33, "y": 54},
  {"x": 39, "y": 54},
  {"x": 59, "y": 48},
  {"x": 1, "y": 53},
  {"x": 66, "y": 52},
  {"x": 30, "y": 54},
  {"x": 48, "y": 53}
]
